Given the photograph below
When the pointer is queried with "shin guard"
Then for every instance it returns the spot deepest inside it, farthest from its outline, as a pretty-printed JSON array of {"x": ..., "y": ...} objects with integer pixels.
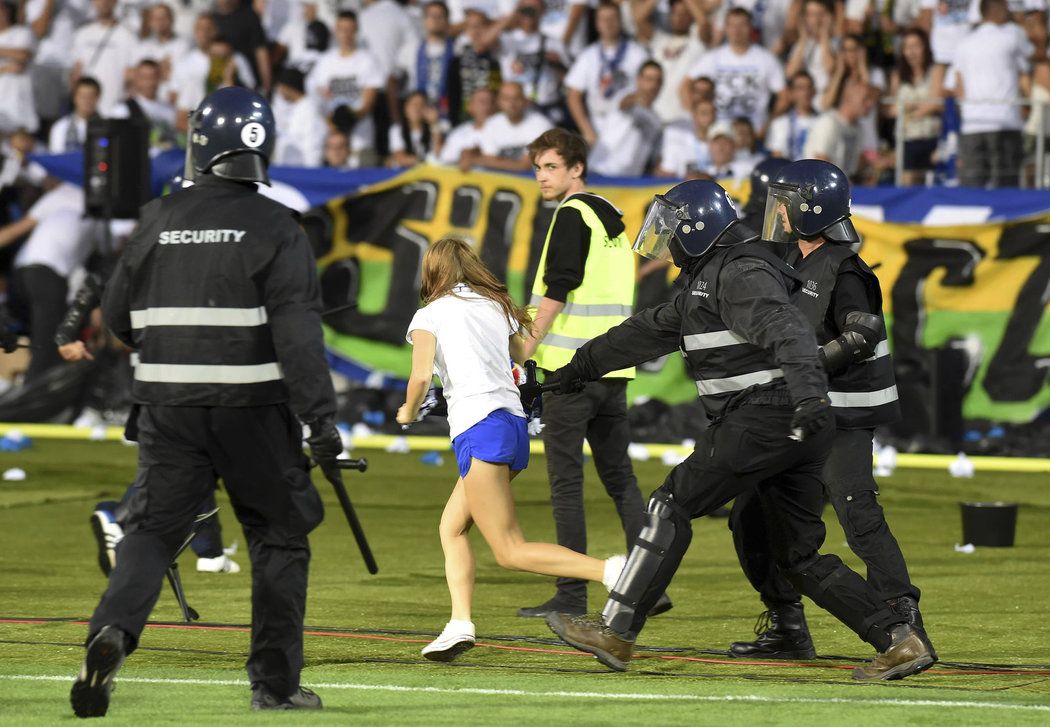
[{"x": 651, "y": 565}]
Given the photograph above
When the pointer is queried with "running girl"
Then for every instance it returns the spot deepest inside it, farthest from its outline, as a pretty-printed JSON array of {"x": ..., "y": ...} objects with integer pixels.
[{"x": 467, "y": 333}]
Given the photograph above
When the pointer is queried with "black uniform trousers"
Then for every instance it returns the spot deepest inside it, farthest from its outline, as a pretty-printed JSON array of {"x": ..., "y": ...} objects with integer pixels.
[
  {"x": 599, "y": 414},
  {"x": 853, "y": 493},
  {"x": 257, "y": 451},
  {"x": 749, "y": 449}
]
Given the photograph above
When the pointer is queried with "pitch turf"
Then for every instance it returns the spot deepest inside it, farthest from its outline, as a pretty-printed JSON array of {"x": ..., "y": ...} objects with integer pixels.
[{"x": 985, "y": 611}]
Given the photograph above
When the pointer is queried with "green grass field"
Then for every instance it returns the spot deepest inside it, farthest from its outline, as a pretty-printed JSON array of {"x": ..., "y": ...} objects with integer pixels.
[{"x": 986, "y": 612}]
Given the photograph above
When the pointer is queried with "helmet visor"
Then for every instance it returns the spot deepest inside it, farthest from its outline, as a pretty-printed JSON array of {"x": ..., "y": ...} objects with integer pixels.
[
  {"x": 654, "y": 239},
  {"x": 776, "y": 224}
]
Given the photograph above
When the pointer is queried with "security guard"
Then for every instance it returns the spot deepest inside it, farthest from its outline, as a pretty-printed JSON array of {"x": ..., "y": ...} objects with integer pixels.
[
  {"x": 754, "y": 358},
  {"x": 217, "y": 290},
  {"x": 584, "y": 286},
  {"x": 842, "y": 300}
]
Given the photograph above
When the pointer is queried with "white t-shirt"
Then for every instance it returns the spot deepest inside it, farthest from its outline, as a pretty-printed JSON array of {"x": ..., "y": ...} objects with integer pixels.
[
  {"x": 58, "y": 138},
  {"x": 69, "y": 15},
  {"x": 58, "y": 241},
  {"x": 744, "y": 83},
  {"x": 676, "y": 54},
  {"x": 988, "y": 61},
  {"x": 626, "y": 142},
  {"x": 301, "y": 132},
  {"x": 519, "y": 58},
  {"x": 105, "y": 52},
  {"x": 190, "y": 77},
  {"x": 473, "y": 356},
  {"x": 832, "y": 138},
  {"x": 17, "y": 109},
  {"x": 787, "y": 134},
  {"x": 555, "y": 20},
  {"x": 463, "y": 137},
  {"x": 951, "y": 23},
  {"x": 339, "y": 80},
  {"x": 605, "y": 74},
  {"x": 386, "y": 28},
  {"x": 293, "y": 37},
  {"x": 172, "y": 51},
  {"x": 500, "y": 138},
  {"x": 682, "y": 151}
]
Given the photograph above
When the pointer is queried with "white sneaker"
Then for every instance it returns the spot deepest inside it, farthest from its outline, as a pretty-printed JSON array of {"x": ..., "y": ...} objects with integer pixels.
[
  {"x": 221, "y": 564},
  {"x": 457, "y": 638},
  {"x": 614, "y": 565},
  {"x": 108, "y": 535}
]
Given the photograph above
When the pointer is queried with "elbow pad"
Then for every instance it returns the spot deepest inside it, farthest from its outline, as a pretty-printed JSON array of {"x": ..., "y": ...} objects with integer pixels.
[{"x": 858, "y": 341}]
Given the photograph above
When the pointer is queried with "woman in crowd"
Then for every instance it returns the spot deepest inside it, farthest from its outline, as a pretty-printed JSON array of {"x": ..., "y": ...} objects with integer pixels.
[{"x": 911, "y": 86}]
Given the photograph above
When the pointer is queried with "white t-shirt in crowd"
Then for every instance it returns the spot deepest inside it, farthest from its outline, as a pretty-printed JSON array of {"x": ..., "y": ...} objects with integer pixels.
[
  {"x": 190, "y": 77},
  {"x": 520, "y": 57},
  {"x": 301, "y": 131},
  {"x": 951, "y": 23},
  {"x": 682, "y": 151},
  {"x": 17, "y": 110},
  {"x": 171, "y": 51},
  {"x": 602, "y": 84},
  {"x": 744, "y": 83},
  {"x": 787, "y": 134},
  {"x": 338, "y": 80},
  {"x": 58, "y": 139},
  {"x": 988, "y": 62},
  {"x": 386, "y": 28},
  {"x": 53, "y": 49},
  {"x": 627, "y": 141},
  {"x": 105, "y": 52},
  {"x": 833, "y": 139},
  {"x": 463, "y": 137},
  {"x": 555, "y": 21},
  {"x": 473, "y": 356},
  {"x": 500, "y": 138},
  {"x": 676, "y": 54}
]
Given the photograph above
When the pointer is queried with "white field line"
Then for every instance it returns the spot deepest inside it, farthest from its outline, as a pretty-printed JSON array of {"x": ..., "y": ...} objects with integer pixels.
[{"x": 629, "y": 696}]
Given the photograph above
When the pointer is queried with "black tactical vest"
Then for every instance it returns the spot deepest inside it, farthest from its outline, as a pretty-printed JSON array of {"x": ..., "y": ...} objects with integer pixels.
[
  {"x": 724, "y": 365},
  {"x": 865, "y": 394}
]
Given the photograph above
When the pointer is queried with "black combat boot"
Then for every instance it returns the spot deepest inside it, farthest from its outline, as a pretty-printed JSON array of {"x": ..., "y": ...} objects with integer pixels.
[
  {"x": 908, "y": 607},
  {"x": 782, "y": 634}
]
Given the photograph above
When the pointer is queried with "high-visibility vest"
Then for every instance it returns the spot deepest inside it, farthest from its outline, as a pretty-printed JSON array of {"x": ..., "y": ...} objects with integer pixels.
[{"x": 604, "y": 299}]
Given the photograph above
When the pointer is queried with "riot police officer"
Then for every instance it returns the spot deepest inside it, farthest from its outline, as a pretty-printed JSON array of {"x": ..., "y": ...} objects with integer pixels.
[
  {"x": 754, "y": 358},
  {"x": 808, "y": 208},
  {"x": 217, "y": 290},
  {"x": 763, "y": 173}
]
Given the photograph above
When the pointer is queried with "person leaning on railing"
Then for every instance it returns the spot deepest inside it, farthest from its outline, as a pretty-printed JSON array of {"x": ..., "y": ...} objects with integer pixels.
[{"x": 912, "y": 92}]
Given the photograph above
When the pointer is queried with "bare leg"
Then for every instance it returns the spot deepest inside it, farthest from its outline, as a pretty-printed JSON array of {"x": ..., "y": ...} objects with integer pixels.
[
  {"x": 488, "y": 496},
  {"x": 459, "y": 558}
]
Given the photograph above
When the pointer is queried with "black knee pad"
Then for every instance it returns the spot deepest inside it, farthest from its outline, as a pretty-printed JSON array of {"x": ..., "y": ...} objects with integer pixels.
[{"x": 665, "y": 536}]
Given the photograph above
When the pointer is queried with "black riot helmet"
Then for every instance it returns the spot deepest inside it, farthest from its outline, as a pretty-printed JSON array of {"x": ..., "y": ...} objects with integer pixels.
[
  {"x": 231, "y": 135},
  {"x": 763, "y": 173},
  {"x": 687, "y": 222},
  {"x": 809, "y": 198}
]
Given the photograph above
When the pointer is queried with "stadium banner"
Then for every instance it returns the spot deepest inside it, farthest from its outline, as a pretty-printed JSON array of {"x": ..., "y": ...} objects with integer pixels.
[
  {"x": 978, "y": 290},
  {"x": 965, "y": 272}
]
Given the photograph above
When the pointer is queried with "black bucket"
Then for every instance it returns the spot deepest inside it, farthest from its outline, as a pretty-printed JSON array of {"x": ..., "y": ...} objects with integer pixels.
[{"x": 989, "y": 523}]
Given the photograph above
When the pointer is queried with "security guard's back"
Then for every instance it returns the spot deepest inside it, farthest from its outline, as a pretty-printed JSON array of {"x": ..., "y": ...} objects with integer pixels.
[{"x": 217, "y": 289}]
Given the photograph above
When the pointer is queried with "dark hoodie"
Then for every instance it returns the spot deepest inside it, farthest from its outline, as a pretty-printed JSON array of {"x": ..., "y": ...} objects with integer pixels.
[{"x": 570, "y": 241}]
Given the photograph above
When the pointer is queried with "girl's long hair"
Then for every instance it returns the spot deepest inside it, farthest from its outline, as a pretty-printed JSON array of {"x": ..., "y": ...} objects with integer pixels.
[{"x": 451, "y": 261}]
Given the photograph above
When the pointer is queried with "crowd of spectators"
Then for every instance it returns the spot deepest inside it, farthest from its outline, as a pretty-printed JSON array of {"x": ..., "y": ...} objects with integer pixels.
[{"x": 676, "y": 88}]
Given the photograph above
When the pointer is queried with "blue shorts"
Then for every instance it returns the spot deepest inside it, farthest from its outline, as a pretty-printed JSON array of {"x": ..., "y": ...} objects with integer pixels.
[{"x": 499, "y": 438}]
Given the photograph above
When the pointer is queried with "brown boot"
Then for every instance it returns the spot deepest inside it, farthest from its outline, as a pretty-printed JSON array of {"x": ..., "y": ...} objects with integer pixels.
[
  {"x": 908, "y": 654},
  {"x": 590, "y": 634}
]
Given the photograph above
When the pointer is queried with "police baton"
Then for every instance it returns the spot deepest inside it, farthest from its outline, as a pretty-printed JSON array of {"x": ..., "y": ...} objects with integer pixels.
[{"x": 335, "y": 478}]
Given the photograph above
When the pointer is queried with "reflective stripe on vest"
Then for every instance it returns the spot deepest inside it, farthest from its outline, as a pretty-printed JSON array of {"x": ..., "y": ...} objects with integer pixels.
[
  {"x": 700, "y": 341},
  {"x": 852, "y": 399},
  {"x": 242, "y": 317},
  {"x": 604, "y": 298},
  {"x": 882, "y": 349},
  {"x": 207, "y": 374},
  {"x": 709, "y": 387}
]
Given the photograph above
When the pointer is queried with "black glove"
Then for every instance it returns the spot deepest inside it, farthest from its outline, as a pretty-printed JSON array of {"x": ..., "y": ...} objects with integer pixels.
[
  {"x": 568, "y": 378},
  {"x": 325, "y": 443},
  {"x": 811, "y": 415}
]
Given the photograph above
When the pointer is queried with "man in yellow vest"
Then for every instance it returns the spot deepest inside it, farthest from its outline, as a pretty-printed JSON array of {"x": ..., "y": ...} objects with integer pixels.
[{"x": 584, "y": 286}]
